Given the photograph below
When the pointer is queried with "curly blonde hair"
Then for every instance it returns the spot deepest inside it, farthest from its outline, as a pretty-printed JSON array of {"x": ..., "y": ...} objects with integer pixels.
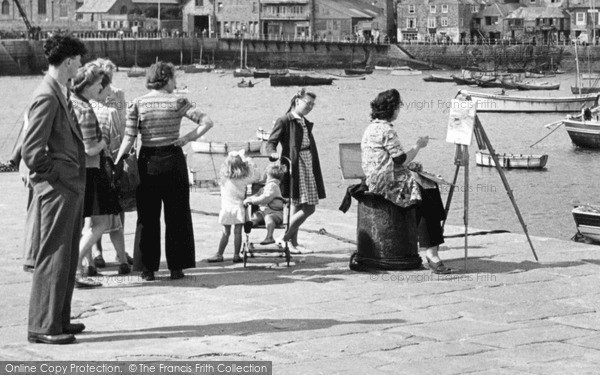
[{"x": 234, "y": 168}]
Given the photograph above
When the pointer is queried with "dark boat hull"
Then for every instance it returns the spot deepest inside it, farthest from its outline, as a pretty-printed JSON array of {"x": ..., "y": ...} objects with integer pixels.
[
  {"x": 299, "y": 81},
  {"x": 525, "y": 87},
  {"x": 585, "y": 90},
  {"x": 357, "y": 72},
  {"x": 585, "y": 134}
]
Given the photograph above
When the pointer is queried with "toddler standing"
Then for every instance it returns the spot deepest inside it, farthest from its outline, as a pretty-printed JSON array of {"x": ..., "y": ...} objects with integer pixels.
[{"x": 237, "y": 171}]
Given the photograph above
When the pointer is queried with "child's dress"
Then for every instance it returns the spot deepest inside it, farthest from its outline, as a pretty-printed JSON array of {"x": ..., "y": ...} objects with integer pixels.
[{"x": 233, "y": 193}]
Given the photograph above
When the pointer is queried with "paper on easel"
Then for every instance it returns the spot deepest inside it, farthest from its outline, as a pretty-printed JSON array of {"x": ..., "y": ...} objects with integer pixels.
[{"x": 461, "y": 122}]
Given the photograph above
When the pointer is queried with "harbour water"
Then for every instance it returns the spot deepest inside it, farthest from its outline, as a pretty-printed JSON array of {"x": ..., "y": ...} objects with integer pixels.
[{"x": 545, "y": 197}]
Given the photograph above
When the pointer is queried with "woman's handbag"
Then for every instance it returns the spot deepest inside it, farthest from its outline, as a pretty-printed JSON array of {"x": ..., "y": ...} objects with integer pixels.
[{"x": 129, "y": 180}]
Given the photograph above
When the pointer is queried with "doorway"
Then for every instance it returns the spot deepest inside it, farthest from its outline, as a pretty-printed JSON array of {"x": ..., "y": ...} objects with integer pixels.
[{"x": 201, "y": 25}]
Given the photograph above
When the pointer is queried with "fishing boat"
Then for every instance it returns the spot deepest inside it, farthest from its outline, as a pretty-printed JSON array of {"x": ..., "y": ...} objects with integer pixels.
[
  {"x": 587, "y": 220},
  {"x": 505, "y": 103},
  {"x": 436, "y": 78},
  {"x": 297, "y": 80},
  {"x": 504, "y": 83},
  {"x": 358, "y": 71},
  {"x": 405, "y": 72},
  {"x": 209, "y": 147},
  {"x": 537, "y": 86},
  {"x": 347, "y": 77},
  {"x": 463, "y": 80},
  {"x": 484, "y": 159},
  {"x": 584, "y": 134}
]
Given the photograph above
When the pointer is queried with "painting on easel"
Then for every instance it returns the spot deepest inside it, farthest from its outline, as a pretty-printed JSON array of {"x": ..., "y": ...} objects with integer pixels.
[{"x": 461, "y": 122}]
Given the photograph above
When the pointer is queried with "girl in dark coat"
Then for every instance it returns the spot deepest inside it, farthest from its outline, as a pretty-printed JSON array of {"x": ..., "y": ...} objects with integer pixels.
[{"x": 294, "y": 132}]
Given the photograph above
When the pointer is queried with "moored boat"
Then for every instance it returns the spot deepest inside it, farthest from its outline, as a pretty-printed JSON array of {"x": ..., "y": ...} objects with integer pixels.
[
  {"x": 585, "y": 134},
  {"x": 347, "y": 77},
  {"x": 585, "y": 90},
  {"x": 245, "y": 84},
  {"x": 405, "y": 72},
  {"x": 484, "y": 159},
  {"x": 196, "y": 68},
  {"x": 505, "y": 103},
  {"x": 587, "y": 220},
  {"x": 537, "y": 86},
  {"x": 136, "y": 71},
  {"x": 436, "y": 78},
  {"x": 357, "y": 71},
  {"x": 209, "y": 147},
  {"x": 297, "y": 80},
  {"x": 243, "y": 72}
]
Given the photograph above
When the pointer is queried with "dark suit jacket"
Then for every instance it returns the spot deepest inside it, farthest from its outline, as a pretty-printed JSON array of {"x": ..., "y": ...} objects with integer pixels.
[
  {"x": 53, "y": 147},
  {"x": 288, "y": 131}
]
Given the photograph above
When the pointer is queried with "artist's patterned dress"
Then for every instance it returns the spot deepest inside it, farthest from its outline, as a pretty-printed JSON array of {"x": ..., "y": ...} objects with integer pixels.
[
  {"x": 380, "y": 144},
  {"x": 306, "y": 179}
]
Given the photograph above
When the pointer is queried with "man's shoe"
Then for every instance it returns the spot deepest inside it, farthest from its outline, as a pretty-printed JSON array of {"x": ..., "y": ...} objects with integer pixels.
[
  {"x": 147, "y": 275},
  {"x": 60, "y": 339},
  {"x": 177, "y": 274},
  {"x": 74, "y": 328},
  {"x": 99, "y": 262}
]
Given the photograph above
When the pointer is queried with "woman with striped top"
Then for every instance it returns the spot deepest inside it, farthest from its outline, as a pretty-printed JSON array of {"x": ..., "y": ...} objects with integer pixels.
[
  {"x": 294, "y": 132},
  {"x": 163, "y": 171},
  {"x": 100, "y": 201}
]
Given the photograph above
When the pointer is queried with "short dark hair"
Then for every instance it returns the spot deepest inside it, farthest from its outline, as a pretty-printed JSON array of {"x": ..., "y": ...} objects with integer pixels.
[
  {"x": 385, "y": 104},
  {"x": 59, "y": 47},
  {"x": 159, "y": 74}
]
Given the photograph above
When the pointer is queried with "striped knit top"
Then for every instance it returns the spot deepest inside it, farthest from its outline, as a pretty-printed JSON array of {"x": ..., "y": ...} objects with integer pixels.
[
  {"x": 90, "y": 130},
  {"x": 157, "y": 117}
]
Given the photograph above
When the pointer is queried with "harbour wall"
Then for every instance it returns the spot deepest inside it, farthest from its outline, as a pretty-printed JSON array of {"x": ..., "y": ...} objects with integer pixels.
[{"x": 19, "y": 57}]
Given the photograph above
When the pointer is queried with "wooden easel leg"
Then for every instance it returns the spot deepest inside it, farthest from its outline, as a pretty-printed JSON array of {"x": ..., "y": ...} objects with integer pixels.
[
  {"x": 466, "y": 206},
  {"x": 450, "y": 194},
  {"x": 505, "y": 182}
]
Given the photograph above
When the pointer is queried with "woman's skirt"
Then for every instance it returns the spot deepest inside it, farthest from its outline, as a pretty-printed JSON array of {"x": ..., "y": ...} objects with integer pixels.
[
  {"x": 430, "y": 214},
  {"x": 100, "y": 198},
  {"x": 306, "y": 180}
]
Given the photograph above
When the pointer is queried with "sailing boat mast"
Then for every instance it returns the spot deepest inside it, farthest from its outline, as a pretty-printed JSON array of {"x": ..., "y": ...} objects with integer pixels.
[
  {"x": 577, "y": 66},
  {"x": 242, "y": 53}
]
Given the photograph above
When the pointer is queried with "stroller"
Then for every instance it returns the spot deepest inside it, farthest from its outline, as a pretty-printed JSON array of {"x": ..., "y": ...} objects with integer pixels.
[{"x": 249, "y": 249}]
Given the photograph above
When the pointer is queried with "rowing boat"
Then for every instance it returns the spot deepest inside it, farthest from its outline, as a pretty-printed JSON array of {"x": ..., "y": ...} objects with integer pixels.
[
  {"x": 436, "y": 78},
  {"x": 209, "y": 147},
  {"x": 294, "y": 80},
  {"x": 587, "y": 220},
  {"x": 585, "y": 134},
  {"x": 484, "y": 159}
]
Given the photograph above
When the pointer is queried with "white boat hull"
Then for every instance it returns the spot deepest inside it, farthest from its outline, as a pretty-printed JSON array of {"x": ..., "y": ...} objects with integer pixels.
[
  {"x": 225, "y": 147},
  {"x": 504, "y": 103},
  {"x": 511, "y": 160}
]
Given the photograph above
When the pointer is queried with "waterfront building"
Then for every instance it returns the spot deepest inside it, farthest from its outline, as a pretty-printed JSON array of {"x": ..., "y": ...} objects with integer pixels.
[
  {"x": 584, "y": 21},
  {"x": 538, "y": 24},
  {"x": 116, "y": 15},
  {"x": 489, "y": 22},
  {"x": 288, "y": 19},
  {"x": 349, "y": 20},
  {"x": 226, "y": 18},
  {"x": 46, "y": 14},
  {"x": 436, "y": 20}
]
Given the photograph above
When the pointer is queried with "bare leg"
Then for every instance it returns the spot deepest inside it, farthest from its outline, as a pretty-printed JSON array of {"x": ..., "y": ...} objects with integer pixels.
[
  {"x": 237, "y": 239},
  {"x": 270, "y": 223},
  {"x": 224, "y": 239},
  {"x": 117, "y": 237},
  {"x": 94, "y": 227},
  {"x": 299, "y": 214}
]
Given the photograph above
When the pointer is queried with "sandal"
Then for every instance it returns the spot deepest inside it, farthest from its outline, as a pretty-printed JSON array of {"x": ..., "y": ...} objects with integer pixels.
[
  {"x": 237, "y": 259},
  {"x": 438, "y": 267},
  {"x": 215, "y": 258}
]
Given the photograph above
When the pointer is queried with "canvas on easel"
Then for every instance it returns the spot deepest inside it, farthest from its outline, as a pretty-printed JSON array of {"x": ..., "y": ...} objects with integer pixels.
[{"x": 461, "y": 122}]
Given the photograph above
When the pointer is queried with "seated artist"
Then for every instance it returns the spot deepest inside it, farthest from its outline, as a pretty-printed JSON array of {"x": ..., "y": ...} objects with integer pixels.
[{"x": 387, "y": 168}]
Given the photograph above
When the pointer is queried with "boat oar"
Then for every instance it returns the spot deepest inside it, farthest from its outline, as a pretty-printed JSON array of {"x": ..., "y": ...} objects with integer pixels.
[
  {"x": 546, "y": 136},
  {"x": 548, "y": 126}
]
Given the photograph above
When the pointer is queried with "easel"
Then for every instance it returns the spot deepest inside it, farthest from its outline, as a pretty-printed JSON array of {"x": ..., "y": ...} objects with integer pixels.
[{"x": 461, "y": 159}]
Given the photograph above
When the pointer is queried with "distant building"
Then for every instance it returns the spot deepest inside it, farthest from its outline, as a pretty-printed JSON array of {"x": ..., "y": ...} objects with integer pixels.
[
  {"x": 584, "y": 20},
  {"x": 224, "y": 17},
  {"x": 348, "y": 20},
  {"x": 489, "y": 22},
  {"x": 540, "y": 24},
  {"x": 286, "y": 18},
  {"x": 439, "y": 20},
  {"x": 47, "y": 14}
]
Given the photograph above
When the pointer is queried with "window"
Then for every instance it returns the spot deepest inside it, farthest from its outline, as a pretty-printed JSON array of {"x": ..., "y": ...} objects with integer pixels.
[
  {"x": 411, "y": 9},
  {"x": 411, "y": 23},
  {"x": 444, "y": 8},
  {"x": 431, "y": 23},
  {"x": 532, "y": 1},
  {"x": 199, "y": 3},
  {"x": 254, "y": 7},
  {"x": 220, "y": 7},
  {"x": 41, "y": 6},
  {"x": 5, "y": 7},
  {"x": 474, "y": 9},
  {"x": 63, "y": 9},
  {"x": 579, "y": 18},
  {"x": 432, "y": 9},
  {"x": 124, "y": 9},
  {"x": 444, "y": 21}
]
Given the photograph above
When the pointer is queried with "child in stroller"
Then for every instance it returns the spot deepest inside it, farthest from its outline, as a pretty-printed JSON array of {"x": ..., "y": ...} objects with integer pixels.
[{"x": 270, "y": 202}]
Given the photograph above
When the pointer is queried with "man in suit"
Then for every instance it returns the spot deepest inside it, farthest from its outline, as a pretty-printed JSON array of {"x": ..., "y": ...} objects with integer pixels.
[{"x": 54, "y": 153}]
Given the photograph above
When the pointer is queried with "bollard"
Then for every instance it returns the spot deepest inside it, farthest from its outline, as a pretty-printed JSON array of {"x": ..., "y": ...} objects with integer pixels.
[{"x": 387, "y": 236}]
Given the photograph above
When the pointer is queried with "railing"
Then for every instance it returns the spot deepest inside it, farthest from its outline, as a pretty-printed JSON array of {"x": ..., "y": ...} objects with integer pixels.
[
  {"x": 299, "y": 38},
  {"x": 492, "y": 42}
]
